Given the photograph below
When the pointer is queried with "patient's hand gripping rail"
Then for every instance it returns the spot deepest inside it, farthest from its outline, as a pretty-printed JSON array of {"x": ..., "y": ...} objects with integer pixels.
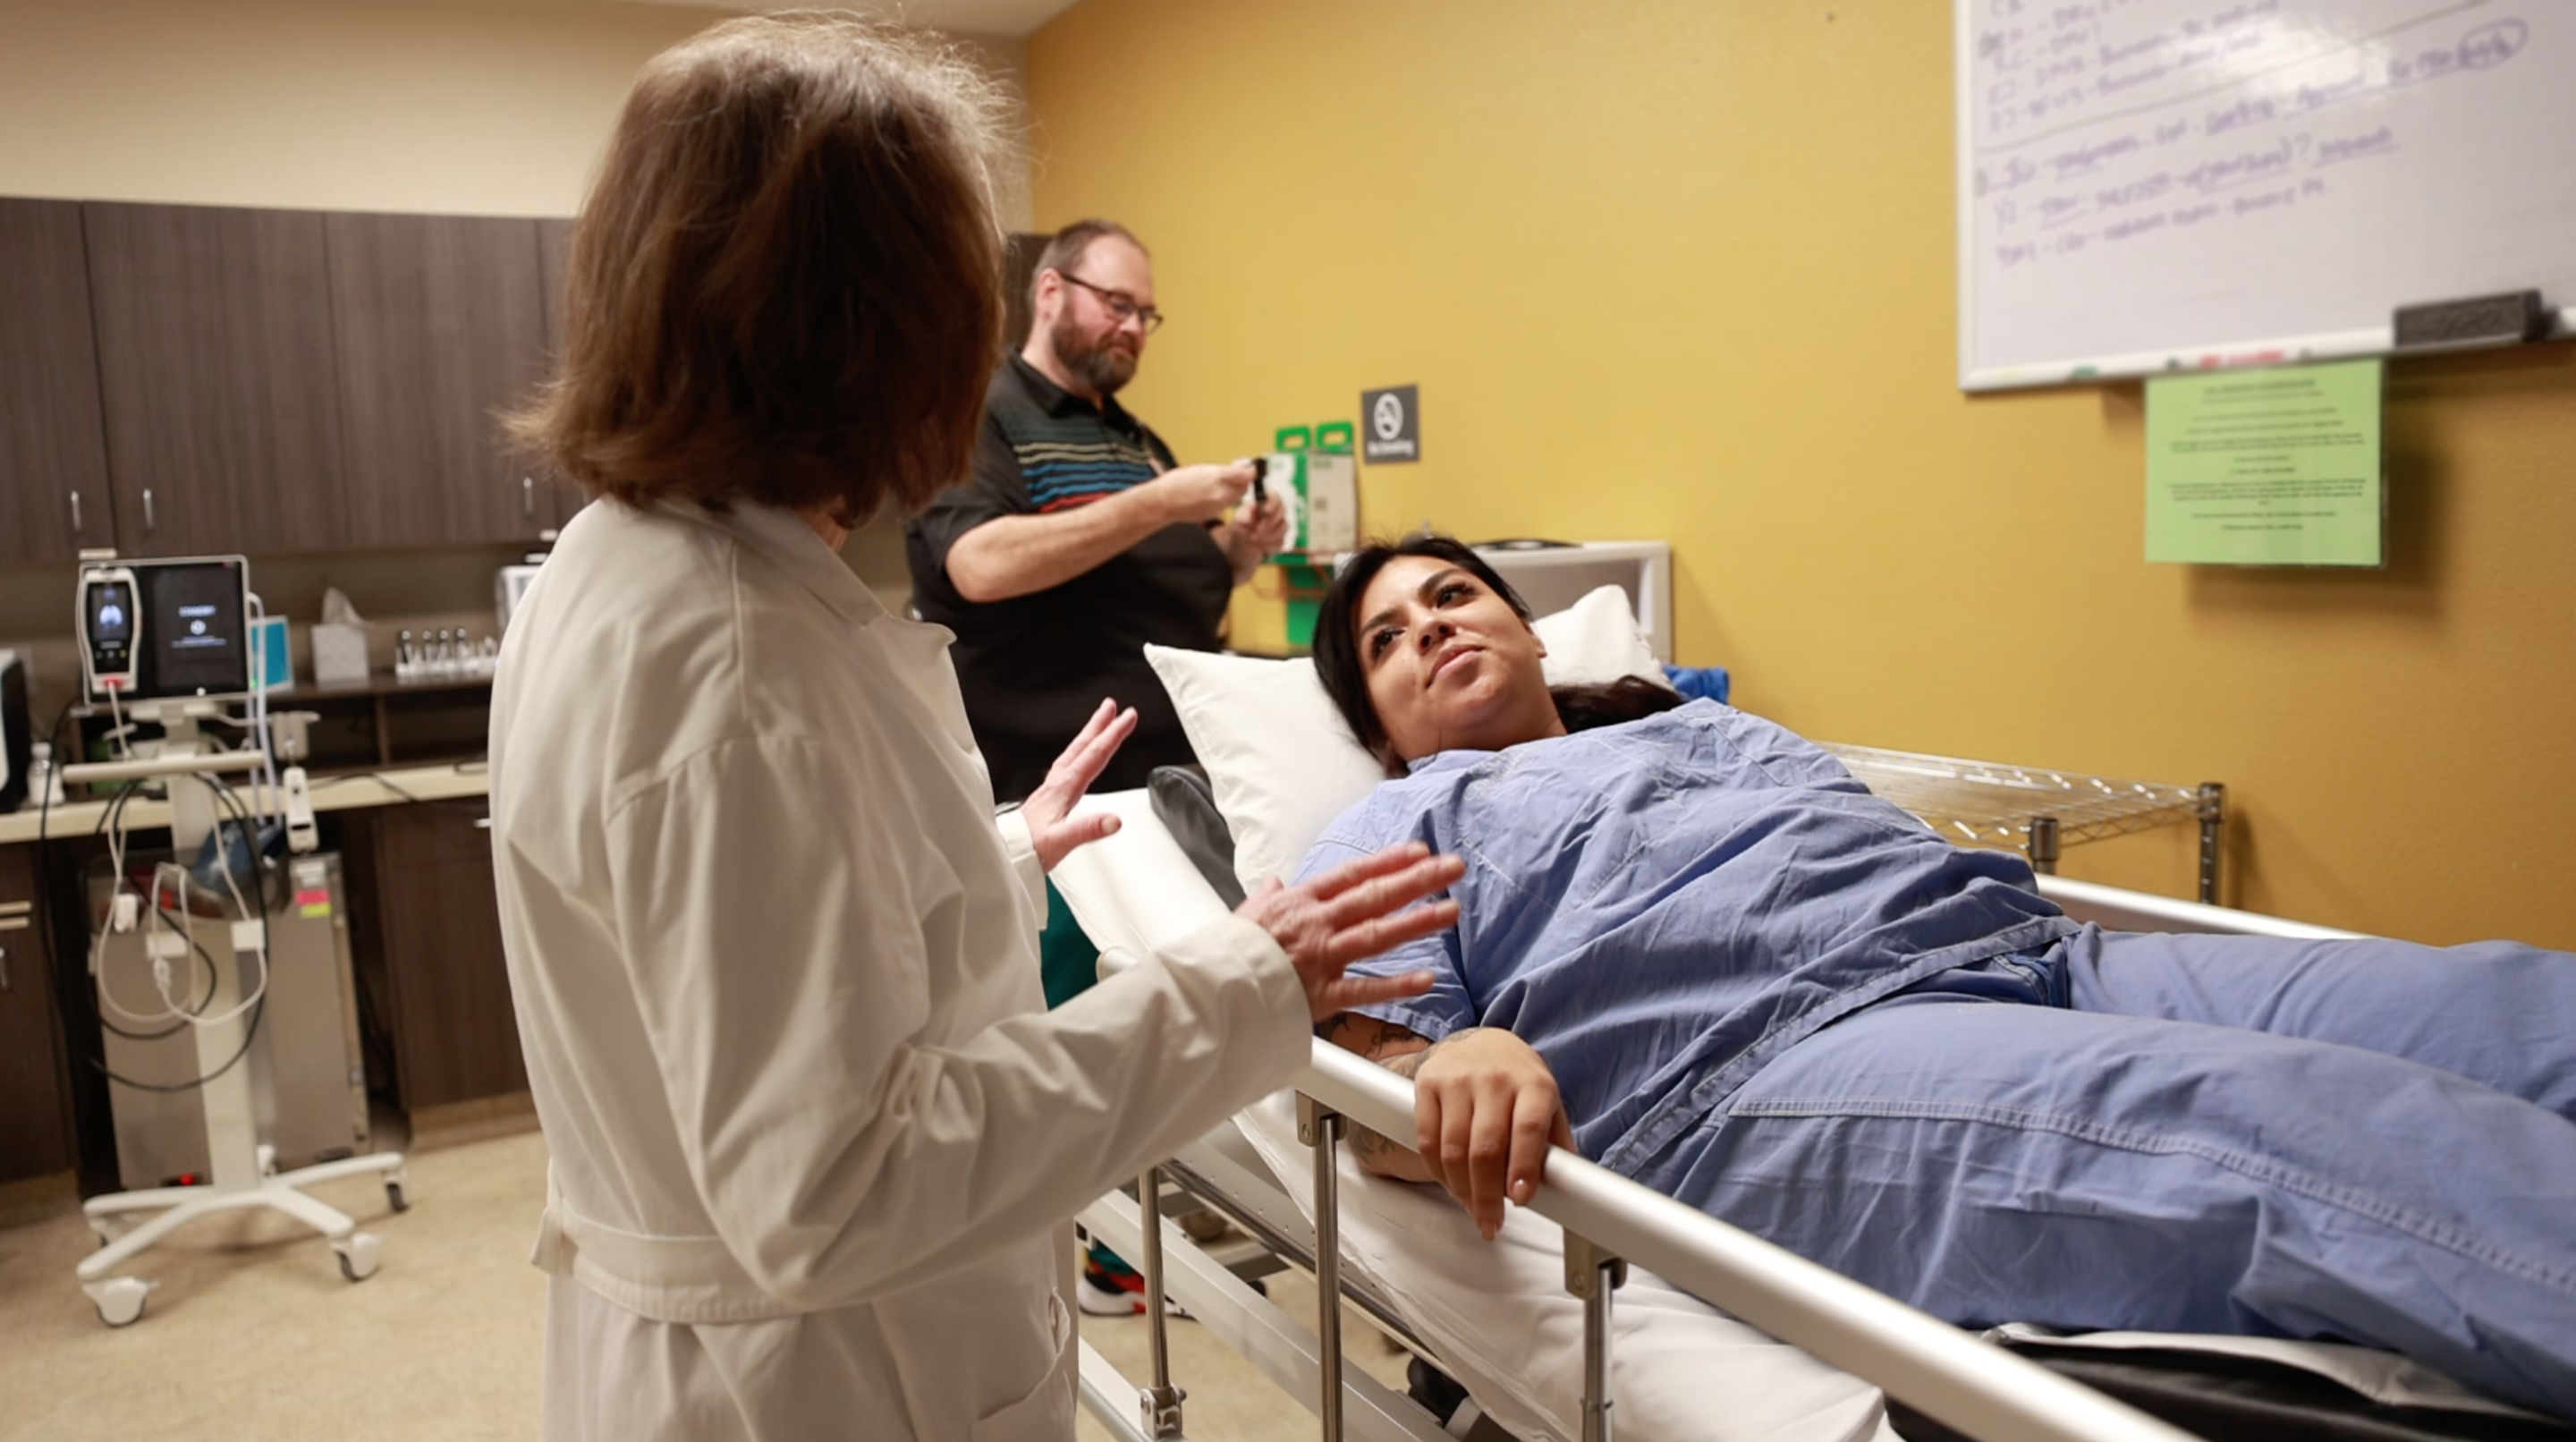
[{"x": 1611, "y": 1222}]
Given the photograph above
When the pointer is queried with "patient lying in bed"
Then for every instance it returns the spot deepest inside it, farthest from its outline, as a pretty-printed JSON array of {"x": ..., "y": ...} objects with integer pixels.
[{"x": 1691, "y": 945}]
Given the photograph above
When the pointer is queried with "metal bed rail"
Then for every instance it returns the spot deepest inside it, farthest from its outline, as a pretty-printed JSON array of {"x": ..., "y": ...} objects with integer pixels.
[{"x": 1610, "y": 1223}]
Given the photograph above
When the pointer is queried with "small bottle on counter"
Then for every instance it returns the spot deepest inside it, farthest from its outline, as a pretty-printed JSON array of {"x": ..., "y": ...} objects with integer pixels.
[{"x": 406, "y": 660}]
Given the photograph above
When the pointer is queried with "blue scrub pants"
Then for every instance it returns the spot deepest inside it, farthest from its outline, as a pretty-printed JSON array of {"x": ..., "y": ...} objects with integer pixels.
[{"x": 2362, "y": 1141}]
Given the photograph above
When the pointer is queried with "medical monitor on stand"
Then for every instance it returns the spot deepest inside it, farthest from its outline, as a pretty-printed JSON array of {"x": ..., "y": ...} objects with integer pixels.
[
  {"x": 167, "y": 642},
  {"x": 165, "y": 630}
]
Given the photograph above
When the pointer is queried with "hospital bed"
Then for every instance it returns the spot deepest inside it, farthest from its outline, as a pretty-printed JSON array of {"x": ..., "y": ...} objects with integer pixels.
[{"x": 1601, "y": 1303}]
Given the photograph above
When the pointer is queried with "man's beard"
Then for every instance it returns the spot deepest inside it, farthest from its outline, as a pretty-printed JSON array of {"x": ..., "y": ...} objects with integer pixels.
[{"x": 1100, "y": 362}]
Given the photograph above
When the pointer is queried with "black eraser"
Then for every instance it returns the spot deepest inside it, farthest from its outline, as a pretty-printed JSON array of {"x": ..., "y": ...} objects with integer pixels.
[{"x": 2507, "y": 319}]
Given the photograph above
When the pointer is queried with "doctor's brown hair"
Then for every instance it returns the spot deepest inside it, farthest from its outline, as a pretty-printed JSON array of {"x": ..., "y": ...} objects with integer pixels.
[{"x": 785, "y": 286}]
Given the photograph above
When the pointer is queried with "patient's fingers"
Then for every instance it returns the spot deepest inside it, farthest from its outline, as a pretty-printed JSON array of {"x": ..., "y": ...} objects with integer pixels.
[
  {"x": 1457, "y": 1132},
  {"x": 1489, "y": 1152},
  {"x": 1534, "y": 1117}
]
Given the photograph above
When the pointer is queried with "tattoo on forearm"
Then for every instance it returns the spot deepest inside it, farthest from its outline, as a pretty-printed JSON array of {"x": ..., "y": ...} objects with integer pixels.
[
  {"x": 1368, "y": 1036},
  {"x": 1368, "y": 1145}
]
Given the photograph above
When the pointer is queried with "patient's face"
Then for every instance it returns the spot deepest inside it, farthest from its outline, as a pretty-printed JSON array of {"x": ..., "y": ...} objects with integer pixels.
[{"x": 1449, "y": 663}]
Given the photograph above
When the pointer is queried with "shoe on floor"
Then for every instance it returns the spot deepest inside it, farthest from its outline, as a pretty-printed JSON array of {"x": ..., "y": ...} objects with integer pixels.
[{"x": 1099, "y": 1298}]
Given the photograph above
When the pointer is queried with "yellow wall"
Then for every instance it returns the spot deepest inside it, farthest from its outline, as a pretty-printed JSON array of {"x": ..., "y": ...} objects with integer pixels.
[{"x": 1685, "y": 269}]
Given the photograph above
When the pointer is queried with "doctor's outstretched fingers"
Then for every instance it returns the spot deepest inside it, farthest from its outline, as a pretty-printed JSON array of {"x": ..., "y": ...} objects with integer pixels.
[
  {"x": 1053, "y": 828},
  {"x": 1353, "y": 912}
]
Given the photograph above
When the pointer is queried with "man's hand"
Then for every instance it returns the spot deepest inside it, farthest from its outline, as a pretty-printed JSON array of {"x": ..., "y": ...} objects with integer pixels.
[
  {"x": 1048, "y": 811},
  {"x": 1197, "y": 493},
  {"x": 1485, "y": 1108},
  {"x": 1254, "y": 535},
  {"x": 1351, "y": 913}
]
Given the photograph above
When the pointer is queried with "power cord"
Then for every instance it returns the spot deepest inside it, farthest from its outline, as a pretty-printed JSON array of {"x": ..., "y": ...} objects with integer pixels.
[{"x": 255, "y": 1008}]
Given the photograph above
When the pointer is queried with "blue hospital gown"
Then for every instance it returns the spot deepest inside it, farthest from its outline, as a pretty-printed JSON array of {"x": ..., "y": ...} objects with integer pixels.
[
  {"x": 1660, "y": 906},
  {"x": 1770, "y": 995}
]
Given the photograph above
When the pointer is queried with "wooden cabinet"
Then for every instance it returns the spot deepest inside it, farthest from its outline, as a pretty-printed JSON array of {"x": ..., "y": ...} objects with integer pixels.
[
  {"x": 53, "y": 456},
  {"x": 218, "y": 379},
  {"x": 35, "y": 1136},
  {"x": 436, "y": 925},
  {"x": 440, "y": 326}
]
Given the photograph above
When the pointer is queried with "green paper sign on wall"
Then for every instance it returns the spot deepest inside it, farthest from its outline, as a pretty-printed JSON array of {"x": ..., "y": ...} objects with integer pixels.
[{"x": 2278, "y": 467}]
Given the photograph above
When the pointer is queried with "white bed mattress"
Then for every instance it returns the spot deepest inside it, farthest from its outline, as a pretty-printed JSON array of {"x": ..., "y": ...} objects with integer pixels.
[{"x": 1498, "y": 1313}]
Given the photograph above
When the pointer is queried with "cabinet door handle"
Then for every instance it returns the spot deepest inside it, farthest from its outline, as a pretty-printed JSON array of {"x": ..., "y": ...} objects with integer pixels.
[
  {"x": 149, "y": 524},
  {"x": 482, "y": 823},
  {"x": 528, "y": 496},
  {"x": 76, "y": 515},
  {"x": 4, "y": 968}
]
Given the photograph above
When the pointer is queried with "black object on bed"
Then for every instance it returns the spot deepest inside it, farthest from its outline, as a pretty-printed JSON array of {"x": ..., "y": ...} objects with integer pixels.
[
  {"x": 1186, "y": 805},
  {"x": 2243, "y": 1399}
]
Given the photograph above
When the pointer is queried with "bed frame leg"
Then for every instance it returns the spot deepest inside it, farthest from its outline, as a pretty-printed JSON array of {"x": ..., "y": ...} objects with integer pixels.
[
  {"x": 1320, "y": 1127},
  {"x": 1161, "y": 1402},
  {"x": 1592, "y": 1275}
]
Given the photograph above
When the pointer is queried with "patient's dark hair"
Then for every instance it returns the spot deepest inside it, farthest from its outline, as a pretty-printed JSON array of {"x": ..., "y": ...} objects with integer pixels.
[{"x": 1337, "y": 650}]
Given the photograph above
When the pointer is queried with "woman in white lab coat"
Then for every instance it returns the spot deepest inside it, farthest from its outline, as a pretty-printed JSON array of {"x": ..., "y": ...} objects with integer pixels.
[{"x": 812, "y": 1136}]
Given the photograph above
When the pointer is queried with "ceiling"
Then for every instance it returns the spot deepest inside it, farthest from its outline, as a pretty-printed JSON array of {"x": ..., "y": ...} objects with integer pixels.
[{"x": 1010, "y": 19}]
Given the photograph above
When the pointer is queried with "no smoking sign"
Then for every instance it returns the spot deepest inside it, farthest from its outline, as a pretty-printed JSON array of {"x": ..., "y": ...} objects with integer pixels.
[{"x": 1391, "y": 424}]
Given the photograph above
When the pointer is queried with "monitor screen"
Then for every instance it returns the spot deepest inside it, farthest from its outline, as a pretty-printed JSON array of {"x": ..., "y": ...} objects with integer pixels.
[
  {"x": 195, "y": 634},
  {"x": 111, "y": 615}
]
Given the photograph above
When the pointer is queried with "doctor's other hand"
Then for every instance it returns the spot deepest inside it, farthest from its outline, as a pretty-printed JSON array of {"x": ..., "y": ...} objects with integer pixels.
[
  {"x": 1053, "y": 827},
  {"x": 1199, "y": 493},
  {"x": 1485, "y": 1108},
  {"x": 1353, "y": 912}
]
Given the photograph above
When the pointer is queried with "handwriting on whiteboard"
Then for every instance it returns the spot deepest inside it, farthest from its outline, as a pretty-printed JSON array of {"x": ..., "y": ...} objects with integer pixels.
[{"x": 2099, "y": 122}]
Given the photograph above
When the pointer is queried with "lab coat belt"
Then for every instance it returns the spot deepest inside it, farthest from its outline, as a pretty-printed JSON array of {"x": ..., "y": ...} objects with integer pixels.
[{"x": 680, "y": 1279}]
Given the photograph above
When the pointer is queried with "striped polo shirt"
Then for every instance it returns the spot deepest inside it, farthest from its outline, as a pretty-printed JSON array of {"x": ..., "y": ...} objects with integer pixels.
[{"x": 1033, "y": 667}]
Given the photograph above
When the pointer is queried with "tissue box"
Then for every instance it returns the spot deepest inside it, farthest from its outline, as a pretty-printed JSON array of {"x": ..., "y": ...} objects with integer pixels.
[{"x": 339, "y": 655}]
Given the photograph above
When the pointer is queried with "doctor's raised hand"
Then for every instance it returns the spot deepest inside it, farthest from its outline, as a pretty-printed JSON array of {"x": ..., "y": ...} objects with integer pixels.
[{"x": 1053, "y": 828}]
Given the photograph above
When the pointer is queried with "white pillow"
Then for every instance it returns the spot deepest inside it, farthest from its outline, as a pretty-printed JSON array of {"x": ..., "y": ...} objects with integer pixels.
[{"x": 1282, "y": 762}]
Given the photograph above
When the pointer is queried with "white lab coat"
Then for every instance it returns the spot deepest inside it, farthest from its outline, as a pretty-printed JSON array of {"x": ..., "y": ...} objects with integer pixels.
[{"x": 777, "y": 982}]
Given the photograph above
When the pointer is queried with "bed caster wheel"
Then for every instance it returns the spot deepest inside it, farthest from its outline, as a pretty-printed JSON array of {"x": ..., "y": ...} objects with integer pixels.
[
  {"x": 119, "y": 1299},
  {"x": 358, "y": 1253},
  {"x": 394, "y": 1197},
  {"x": 267, "y": 1160}
]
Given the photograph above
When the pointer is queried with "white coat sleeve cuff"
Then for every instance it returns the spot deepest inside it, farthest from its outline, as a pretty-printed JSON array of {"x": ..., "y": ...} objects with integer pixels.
[
  {"x": 1022, "y": 847},
  {"x": 1236, "y": 947}
]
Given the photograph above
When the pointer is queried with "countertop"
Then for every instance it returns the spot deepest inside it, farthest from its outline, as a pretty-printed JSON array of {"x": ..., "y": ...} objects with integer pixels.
[{"x": 391, "y": 787}]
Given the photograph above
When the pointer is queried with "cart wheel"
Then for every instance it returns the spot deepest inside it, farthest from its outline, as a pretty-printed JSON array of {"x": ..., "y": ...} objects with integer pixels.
[
  {"x": 358, "y": 1255},
  {"x": 120, "y": 1302},
  {"x": 394, "y": 1197}
]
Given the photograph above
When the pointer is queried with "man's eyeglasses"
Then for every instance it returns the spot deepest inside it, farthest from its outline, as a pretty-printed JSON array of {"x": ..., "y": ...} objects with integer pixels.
[{"x": 1120, "y": 304}]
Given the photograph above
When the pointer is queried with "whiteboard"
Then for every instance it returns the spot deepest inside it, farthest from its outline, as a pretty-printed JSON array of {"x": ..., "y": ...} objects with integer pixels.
[{"x": 2147, "y": 185}]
